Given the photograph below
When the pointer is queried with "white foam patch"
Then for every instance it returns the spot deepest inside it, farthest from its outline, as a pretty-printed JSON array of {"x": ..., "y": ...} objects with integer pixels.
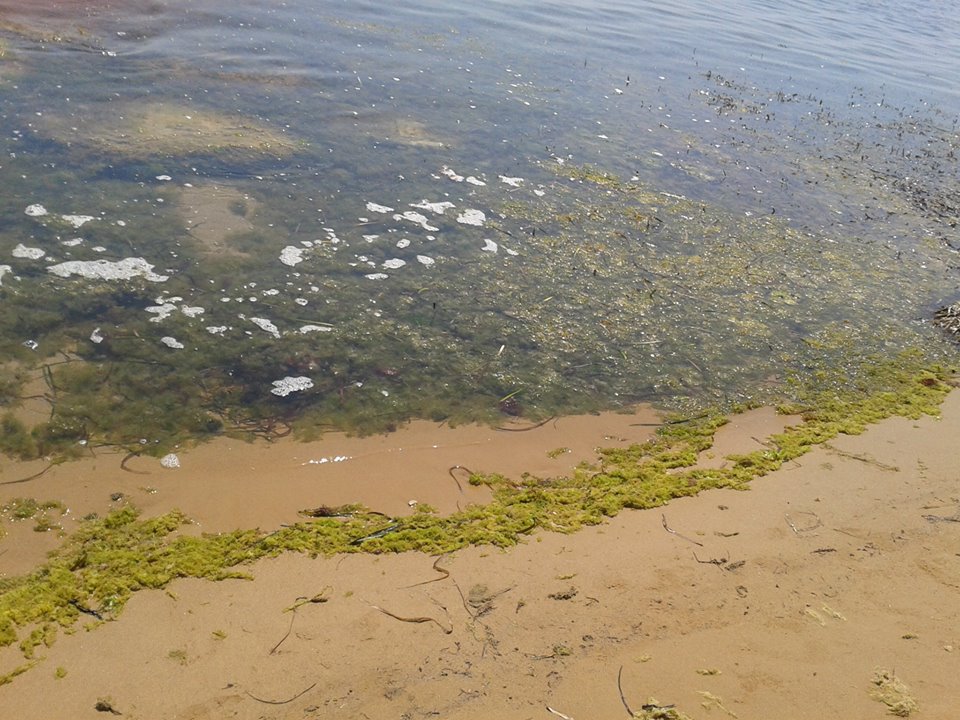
[
  {"x": 511, "y": 181},
  {"x": 96, "y": 336},
  {"x": 106, "y": 270},
  {"x": 370, "y": 238},
  {"x": 266, "y": 326},
  {"x": 36, "y": 210},
  {"x": 394, "y": 263},
  {"x": 382, "y": 209},
  {"x": 474, "y": 181},
  {"x": 172, "y": 343},
  {"x": 72, "y": 242},
  {"x": 376, "y": 276},
  {"x": 452, "y": 174},
  {"x": 305, "y": 329},
  {"x": 28, "y": 253},
  {"x": 77, "y": 220},
  {"x": 418, "y": 219},
  {"x": 191, "y": 312},
  {"x": 438, "y": 207},
  {"x": 325, "y": 460},
  {"x": 287, "y": 385},
  {"x": 490, "y": 246},
  {"x": 425, "y": 260},
  {"x": 291, "y": 255},
  {"x": 216, "y": 329},
  {"x": 403, "y": 243},
  {"x": 472, "y": 217},
  {"x": 162, "y": 312},
  {"x": 4, "y": 269}
]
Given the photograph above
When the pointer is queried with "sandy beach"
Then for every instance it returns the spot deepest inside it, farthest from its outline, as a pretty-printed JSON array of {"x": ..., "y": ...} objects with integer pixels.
[{"x": 804, "y": 597}]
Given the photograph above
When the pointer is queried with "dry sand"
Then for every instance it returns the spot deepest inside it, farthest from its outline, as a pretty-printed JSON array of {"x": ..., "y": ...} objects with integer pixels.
[{"x": 778, "y": 602}]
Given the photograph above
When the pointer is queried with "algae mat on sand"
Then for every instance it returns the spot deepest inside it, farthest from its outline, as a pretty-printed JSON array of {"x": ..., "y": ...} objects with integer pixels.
[{"x": 101, "y": 565}]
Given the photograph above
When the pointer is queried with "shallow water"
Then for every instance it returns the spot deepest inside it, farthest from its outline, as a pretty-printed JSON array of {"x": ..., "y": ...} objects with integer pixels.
[{"x": 456, "y": 211}]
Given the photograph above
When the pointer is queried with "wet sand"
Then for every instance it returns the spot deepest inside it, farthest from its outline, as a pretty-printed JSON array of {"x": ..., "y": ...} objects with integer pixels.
[{"x": 781, "y": 601}]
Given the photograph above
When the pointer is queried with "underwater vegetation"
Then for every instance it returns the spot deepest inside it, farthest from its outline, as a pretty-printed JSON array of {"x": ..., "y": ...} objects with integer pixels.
[
  {"x": 572, "y": 290},
  {"x": 103, "y": 563}
]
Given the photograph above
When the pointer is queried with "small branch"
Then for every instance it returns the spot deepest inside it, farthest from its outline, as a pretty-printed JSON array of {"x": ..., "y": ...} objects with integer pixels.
[
  {"x": 527, "y": 429},
  {"x": 623, "y": 698},
  {"x": 28, "y": 479},
  {"x": 422, "y": 619},
  {"x": 459, "y": 467},
  {"x": 719, "y": 562},
  {"x": 674, "y": 532},
  {"x": 293, "y": 617},
  {"x": 123, "y": 463},
  {"x": 281, "y": 702},
  {"x": 436, "y": 566},
  {"x": 558, "y": 713}
]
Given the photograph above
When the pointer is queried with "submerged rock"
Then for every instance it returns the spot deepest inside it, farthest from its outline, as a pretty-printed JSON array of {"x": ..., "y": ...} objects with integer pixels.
[{"x": 140, "y": 130}]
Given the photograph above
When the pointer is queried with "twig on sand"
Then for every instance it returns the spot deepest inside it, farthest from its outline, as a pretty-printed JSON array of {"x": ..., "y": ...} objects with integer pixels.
[
  {"x": 123, "y": 463},
  {"x": 719, "y": 562},
  {"x": 459, "y": 467},
  {"x": 281, "y": 702},
  {"x": 31, "y": 477},
  {"x": 421, "y": 619},
  {"x": 942, "y": 518},
  {"x": 623, "y": 698},
  {"x": 436, "y": 566},
  {"x": 674, "y": 532},
  {"x": 528, "y": 428},
  {"x": 558, "y": 713},
  {"x": 293, "y": 617},
  {"x": 320, "y": 597}
]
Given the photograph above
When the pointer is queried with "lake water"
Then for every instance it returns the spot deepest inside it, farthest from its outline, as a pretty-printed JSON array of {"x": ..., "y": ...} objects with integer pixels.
[{"x": 264, "y": 215}]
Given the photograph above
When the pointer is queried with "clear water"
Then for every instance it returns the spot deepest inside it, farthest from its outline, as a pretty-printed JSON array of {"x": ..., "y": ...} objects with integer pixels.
[{"x": 684, "y": 204}]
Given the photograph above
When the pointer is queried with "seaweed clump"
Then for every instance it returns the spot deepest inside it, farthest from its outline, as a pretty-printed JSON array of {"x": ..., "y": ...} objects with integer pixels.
[
  {"x": 891, "y": 691},
  {"x": 108, "y": 559}
]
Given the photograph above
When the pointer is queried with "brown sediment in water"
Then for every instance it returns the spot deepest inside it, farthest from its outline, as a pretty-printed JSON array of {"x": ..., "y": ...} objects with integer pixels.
[
  {"x": 212, "y": 214},
  {"x": 745, "y": 606},
  {"x": 138, "y": 130}
]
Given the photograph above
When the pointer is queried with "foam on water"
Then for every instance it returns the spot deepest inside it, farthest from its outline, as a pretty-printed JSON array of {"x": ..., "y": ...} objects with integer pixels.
[{"x": 108, "y": 270}]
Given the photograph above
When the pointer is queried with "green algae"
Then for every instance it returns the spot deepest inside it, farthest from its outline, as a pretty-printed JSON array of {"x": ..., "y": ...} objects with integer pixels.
[{"x": 103, "y": 563}]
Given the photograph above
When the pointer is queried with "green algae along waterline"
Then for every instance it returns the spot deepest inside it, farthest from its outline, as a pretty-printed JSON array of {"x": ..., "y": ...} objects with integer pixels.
[{"x": 98, "y": 567}]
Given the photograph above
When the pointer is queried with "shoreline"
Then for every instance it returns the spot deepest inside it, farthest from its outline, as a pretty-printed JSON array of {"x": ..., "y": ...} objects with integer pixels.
[{"x": 841, "y": 574}]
